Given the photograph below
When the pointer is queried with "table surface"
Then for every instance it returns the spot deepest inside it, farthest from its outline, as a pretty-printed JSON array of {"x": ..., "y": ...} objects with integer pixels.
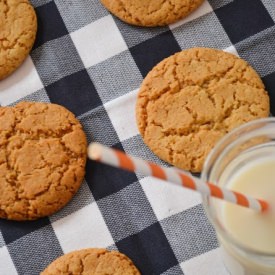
[{"x": 93, "y": 64}]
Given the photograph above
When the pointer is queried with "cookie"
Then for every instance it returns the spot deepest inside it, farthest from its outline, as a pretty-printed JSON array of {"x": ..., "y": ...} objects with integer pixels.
[
  {"x": 92, "y": 261},
  {"x": 190, "y": 100},
  {"x": 42, "y": 159},
  {"x": 151, "y": 13},
  {"x": 17, "y": 34}
]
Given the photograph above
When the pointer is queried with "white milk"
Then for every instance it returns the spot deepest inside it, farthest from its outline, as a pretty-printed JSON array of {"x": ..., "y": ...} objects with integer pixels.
[{"x": 254, "y": 230}]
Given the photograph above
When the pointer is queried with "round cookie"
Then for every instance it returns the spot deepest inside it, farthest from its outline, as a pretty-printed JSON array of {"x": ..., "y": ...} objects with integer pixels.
[
  {"x": 42, "y": 159},
  {"x": 17, "y": 34},
  {"x": 92, "y": 261},
  {"x": 151, "y": 13},
  {"x": 192, "y": 99}
]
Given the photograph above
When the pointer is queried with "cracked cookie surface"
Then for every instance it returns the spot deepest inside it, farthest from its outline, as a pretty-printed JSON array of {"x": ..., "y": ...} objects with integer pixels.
[
  {"x": 92, "y": 261},
  {"x": 18, "y": 27},
  {"x": 42, "y": 159},
  {"x": 151, "y": 13},
  {"x": 192, "y": 99}
]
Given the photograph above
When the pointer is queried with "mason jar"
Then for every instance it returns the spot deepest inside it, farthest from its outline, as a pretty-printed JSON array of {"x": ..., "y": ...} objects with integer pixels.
[{"x": 252, "y": 141}]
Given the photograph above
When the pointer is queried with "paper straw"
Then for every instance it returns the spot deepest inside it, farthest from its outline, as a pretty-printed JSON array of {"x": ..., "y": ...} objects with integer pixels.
[{"x": 119, "y": 159}]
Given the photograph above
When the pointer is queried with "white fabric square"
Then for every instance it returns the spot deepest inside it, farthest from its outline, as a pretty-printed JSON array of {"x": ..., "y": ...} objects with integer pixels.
[
  {"x": 168, "y": 199},
  {"x": 200, "y": 11},
  {"x": 232, "y": 50},
  {"x": 121, "y": 112},
  {"x": 82, "y": 198},
  {"x": 24, "y": 81},
  {"x": 6, "y": 267},
  {"x": 83, "y": 229},
  {"x": 209, "y": 263},
  {"x": 98, "y": 41}
]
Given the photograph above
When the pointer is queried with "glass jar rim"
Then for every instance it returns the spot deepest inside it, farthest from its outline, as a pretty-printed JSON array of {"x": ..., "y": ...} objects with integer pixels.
[{"x": 205, "y": 170}]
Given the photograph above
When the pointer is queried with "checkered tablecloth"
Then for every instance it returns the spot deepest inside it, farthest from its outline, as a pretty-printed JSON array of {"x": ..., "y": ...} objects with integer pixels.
[{"x": 93, "y": 64}]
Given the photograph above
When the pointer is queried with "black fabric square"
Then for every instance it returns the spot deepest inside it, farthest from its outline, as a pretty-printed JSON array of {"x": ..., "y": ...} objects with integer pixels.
[
  {"x": 149, "y": 250},
  {"x": 105, "y": 180},
  {"x": 50, "y": 24},
  {"x": 76, "y": 92},
  {"x": 12, "y": 230},
  {"x": 150, "y": 52},
  {"x": 269, "y": 82},
  {"x": 244, "y": 18}
]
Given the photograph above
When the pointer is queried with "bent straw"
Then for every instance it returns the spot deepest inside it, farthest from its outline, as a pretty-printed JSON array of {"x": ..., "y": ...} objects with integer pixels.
[{"x": 119, "y": 159}]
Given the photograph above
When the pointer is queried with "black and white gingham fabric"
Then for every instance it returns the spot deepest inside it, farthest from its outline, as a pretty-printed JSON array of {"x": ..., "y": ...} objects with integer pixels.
[{"x": 93, "y": 64}]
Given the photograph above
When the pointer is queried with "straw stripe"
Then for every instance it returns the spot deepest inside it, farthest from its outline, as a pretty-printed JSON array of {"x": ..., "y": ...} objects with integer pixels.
[
  {"x": 172, "y": 176},
  {"x": 215, "y": 191},
  {"x": 124, "y": 161},
  {"x": 202, "y": 188},
  {"x": 241, "y": 199},
  {"x": 230, "y": 196},
  {"x": 252, "y": 204},
  {"x": 120, "y": 160},
  {"x": 144, "y": 168},
  {"x": 188, "y": 182},
  {"x": 157, "y": 171},
  {"x": 264, "y": 205},
  {"x": 110, "y": 158}
]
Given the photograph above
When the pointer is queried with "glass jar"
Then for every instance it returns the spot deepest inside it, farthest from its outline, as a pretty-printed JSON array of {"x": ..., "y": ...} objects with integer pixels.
[{"x": 247, "y": 143}]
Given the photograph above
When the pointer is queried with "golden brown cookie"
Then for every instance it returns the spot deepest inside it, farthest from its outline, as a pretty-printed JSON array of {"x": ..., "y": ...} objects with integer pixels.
[
  {"x": 92, "y": 261},
  {"x": 192, "y": 99},
  {"x": 42, "y": 159},
  {"x": 18, "y": 26},
  {"x": 151, "y": 13}
]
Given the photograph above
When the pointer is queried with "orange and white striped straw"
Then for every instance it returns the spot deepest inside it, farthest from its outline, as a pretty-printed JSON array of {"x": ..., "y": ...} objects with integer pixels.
[{"x": 119, "y": 159}]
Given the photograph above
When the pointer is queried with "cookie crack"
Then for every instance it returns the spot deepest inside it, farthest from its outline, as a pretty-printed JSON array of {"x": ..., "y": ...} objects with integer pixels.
[
  {"x": 7, "y": 8},
  {"x": 204, "y": 86}
]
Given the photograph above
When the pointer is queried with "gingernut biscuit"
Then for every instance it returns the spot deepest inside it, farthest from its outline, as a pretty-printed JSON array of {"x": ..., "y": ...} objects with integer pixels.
[
  {"x": 151, "y": 13},
  {"x": 92, "y": 261},
  {"x": 42, "y": 159},
  {"x": 192, "y": 99},
  {"x": 18, "y": 27}
]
